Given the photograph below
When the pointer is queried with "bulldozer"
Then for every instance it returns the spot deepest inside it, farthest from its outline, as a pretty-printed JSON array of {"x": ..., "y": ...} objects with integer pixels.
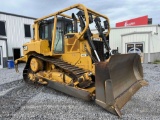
[{"x": 65, "y": 55}]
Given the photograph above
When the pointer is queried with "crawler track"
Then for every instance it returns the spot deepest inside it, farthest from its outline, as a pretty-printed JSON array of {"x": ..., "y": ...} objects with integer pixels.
[{"x": 72, "y": 70}]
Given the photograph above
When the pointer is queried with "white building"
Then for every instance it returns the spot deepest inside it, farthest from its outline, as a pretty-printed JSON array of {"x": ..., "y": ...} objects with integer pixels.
[
  {"x": 15, "y": 30},
  {"x": 144, "y": 40}
]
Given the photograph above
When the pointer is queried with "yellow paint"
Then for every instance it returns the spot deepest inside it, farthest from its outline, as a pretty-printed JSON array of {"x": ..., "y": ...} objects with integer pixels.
[
  {"x": 24, "y": 59},
  {"x": 75, "y": 48},
  {"x": 55, "y": 76},
  {"x": 41, "y": 47}
]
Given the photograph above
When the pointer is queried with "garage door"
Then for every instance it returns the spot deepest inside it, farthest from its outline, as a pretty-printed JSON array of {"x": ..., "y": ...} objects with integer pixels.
[{"x": 135, "y": 48}]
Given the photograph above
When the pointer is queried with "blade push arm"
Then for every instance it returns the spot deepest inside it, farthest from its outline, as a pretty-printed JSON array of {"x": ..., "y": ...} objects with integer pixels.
[
  {"x": 88, "y": 33},
  {"x": 100, "y": 30}
]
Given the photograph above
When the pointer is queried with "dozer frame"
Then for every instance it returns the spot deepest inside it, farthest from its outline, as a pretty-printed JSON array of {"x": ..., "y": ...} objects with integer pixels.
[{"x": 77, "y": 66}]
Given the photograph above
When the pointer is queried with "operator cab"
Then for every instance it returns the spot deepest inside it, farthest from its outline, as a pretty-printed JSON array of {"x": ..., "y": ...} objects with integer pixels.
[{"x": 63, "y": 27}]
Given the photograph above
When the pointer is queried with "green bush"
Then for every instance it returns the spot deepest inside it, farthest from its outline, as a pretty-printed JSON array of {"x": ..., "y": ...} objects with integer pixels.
[{"x": 156, "y": 62}]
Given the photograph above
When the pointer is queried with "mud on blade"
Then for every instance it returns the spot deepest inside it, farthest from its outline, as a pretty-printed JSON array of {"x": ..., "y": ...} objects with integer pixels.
[{"x": 117, "y": 81}]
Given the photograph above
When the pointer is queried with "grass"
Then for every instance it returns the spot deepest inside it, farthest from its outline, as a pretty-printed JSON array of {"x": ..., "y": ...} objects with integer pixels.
[{"x": 156, "y": 62}]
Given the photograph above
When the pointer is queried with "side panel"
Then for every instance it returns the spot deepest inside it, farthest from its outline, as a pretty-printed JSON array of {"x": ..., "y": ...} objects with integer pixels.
[
  {"x": 41, "y": 47},
  {"x": 76, "y": 54}
]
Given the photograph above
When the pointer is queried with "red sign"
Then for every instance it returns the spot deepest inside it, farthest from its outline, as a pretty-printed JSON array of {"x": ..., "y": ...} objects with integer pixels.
[{"x": 134, "y": 22}]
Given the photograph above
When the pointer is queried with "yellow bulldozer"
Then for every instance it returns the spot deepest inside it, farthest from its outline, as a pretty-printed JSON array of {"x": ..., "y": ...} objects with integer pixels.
[{"x": 64, "y": 54}]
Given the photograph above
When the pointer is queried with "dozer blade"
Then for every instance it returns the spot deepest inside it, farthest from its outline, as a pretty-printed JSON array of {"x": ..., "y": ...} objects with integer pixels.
[{"x": 117, "y": 81}]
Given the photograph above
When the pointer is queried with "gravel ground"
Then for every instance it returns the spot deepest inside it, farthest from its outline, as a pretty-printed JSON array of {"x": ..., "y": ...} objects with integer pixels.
[{"x": 20, "y": 101}]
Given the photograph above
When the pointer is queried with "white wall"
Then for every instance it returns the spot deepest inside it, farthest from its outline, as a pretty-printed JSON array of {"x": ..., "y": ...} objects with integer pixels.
[
  {"x": 155, "y": 43},
  {"x": 158, "y": 27},
  {"x": 135, "y": 38},
  {"x": 115, "y": 34},
  {"x": 15, "y": 31},
  {"x": 3, "y": 44}
]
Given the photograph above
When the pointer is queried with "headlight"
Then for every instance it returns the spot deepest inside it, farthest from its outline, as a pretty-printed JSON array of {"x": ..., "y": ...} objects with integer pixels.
[{"x": 25, "y": 48}]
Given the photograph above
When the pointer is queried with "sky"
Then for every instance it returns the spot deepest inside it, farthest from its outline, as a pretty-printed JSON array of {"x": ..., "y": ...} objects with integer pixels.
[{"x": 117, "y": 10}]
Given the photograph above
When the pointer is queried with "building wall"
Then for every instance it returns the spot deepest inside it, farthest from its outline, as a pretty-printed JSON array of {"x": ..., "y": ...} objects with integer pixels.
[
  {"x": 115, "y": 34},
  {"x": 158, "y": 29},
  {"x": 4, "y": 52},
  {"x": 15, "y": 34},
  {"x": 120, "y": 36},
  {"x": 154, "y": 43},
  {"x": 135, "y": 38},
  {"x": 3, "y": 44},
  {"x": 151, "y": 44},
  {"x": 153, "y": 57}
]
